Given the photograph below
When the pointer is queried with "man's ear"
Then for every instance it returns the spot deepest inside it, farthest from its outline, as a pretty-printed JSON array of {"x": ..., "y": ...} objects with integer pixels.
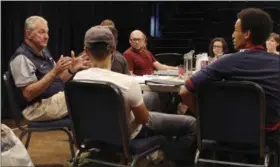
[
  {"x": 247, "y": 34},
  {"x": 113, "y": 49},
  {"x": 145, "y": 38},
  {"x": 28, "y": 34},
  {"x": 86, "y": 51}
]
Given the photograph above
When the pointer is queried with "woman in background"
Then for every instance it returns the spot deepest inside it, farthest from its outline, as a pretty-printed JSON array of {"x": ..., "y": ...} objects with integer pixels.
[
  {"x": 272, "y": 43},
  {"x": 217, "y": 48}
]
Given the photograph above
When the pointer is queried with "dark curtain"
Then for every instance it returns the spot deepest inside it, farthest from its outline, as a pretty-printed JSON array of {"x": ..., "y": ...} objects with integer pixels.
[{"x": 68, "y": 22}]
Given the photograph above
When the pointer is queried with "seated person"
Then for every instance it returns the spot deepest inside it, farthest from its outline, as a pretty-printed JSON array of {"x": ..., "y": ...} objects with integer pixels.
[
  {"x": 99, "y": 47},
  {"x": 217, "y": 48},
  {"x": 140, "y": 60},
  {"x": 272, "y": 43},
  {"x": 253, "y": 63},
  {"x": 119, "y": 63},
  {"x": 37, "y": 76}
]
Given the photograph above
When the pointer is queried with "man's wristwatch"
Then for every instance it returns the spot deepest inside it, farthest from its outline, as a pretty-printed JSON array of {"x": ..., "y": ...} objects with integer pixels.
[{"x": 70, "y": 72}]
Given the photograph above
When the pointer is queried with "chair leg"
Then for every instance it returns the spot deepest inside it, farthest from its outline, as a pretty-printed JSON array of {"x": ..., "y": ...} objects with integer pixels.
[
  {"x": 267, "y": 160},
  {"x": 276, "y": 162},
  {"x": 22, "y": 135},
  {"x": 215, "y": 157},
  {"x": 71, "y": 143},
  {"x": 196, "y": 158},
  {"x": 28, "y": 139},
  {"x": 134, "y": 162},
  {"x": 123, "y": 160},
  {"x": 76, "y": 158}
]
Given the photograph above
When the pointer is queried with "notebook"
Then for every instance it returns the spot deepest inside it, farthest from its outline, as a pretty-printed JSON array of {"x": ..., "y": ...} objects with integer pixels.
[
  {"x": 167, "y": 72},
  {"x": 164, "y": 82}
]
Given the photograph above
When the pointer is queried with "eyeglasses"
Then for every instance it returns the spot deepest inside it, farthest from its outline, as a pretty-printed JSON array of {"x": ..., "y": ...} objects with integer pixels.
[
  {"x": 217, "y": 46},
  {"x": 136, "y": 39}
]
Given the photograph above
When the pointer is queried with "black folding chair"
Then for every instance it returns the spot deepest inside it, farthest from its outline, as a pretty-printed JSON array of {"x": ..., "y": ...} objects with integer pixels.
[
  {"x": 231, "y": 118},
  {"x": 171, "y": 59},
  {"x": 97, "y": 112},
  {"x": 33, "y": 126}
]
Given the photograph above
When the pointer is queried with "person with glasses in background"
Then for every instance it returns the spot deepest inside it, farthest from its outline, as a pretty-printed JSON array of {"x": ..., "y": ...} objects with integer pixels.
[
  {"x": 217, "y": 48},
  {"x": 140, "y": 60}
]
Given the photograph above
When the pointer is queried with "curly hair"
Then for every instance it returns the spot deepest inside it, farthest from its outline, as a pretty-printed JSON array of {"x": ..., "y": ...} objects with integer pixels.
[{"x": 258, "y": 22}]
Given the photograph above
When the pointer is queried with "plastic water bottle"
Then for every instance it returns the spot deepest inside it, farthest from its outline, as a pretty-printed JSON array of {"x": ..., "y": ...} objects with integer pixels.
[
  {"x": 204, "y": 60},
  {"x": 201, "y": 61},
  {"x": 188, "y": 57}
]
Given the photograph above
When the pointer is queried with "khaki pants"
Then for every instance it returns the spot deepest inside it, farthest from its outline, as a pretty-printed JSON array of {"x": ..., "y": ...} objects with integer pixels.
[{"x": 48, "y": 109}]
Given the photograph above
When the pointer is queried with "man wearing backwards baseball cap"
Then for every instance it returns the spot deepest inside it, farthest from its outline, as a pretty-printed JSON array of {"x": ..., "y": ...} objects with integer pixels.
[{"x": 99, "y": 46}]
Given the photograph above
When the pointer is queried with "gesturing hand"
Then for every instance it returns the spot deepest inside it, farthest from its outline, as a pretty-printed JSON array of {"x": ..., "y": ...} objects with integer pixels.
[
  {"x": 62, "y": 64},
  {"x": 78, "y": 63}
]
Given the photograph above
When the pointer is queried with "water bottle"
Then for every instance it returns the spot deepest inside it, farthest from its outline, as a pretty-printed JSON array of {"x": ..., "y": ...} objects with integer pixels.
[
  {"x": 204, "y": 60},
  {"x": 201, "y": 61},
  {"x": 188, "y": 57}
]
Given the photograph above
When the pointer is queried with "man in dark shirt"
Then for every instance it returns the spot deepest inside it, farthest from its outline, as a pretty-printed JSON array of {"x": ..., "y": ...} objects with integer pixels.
[
  {"x": 119, "y": 63},
  {"x": 252, "y": 63},
  {"x": 37, "y": 77}
]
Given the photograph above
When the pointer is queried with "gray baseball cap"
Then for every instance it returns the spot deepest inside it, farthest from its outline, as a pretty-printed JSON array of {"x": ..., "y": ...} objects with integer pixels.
[{"x": 99, "y": 34}]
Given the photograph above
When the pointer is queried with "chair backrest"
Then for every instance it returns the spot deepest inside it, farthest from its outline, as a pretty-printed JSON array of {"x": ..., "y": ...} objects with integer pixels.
[
  {"x": 231, "y": 112},
  {"x": 97, "y": 113},
  {"x": 13, "y": 96},
  {"x": 172, "y": 59}
]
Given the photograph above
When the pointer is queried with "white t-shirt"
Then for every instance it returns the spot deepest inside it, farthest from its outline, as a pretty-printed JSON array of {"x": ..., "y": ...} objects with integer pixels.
[{"x": 128, "y": 85}]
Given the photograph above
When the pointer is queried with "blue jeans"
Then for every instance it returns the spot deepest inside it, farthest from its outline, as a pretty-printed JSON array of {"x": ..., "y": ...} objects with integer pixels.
[
  {"x": 159, "y": 101},
  {"x": 180, "y": 127},
  {"x": 152, "y": 101}
]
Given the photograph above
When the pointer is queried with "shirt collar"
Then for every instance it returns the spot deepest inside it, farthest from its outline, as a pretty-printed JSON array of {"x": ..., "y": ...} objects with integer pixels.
[
  {"x": 32, "y": 50},
  {"x": 257, "y": 47}
]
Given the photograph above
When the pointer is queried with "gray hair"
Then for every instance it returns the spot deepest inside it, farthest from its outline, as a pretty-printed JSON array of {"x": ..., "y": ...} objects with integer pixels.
[{"x": 30, "y": 22}]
